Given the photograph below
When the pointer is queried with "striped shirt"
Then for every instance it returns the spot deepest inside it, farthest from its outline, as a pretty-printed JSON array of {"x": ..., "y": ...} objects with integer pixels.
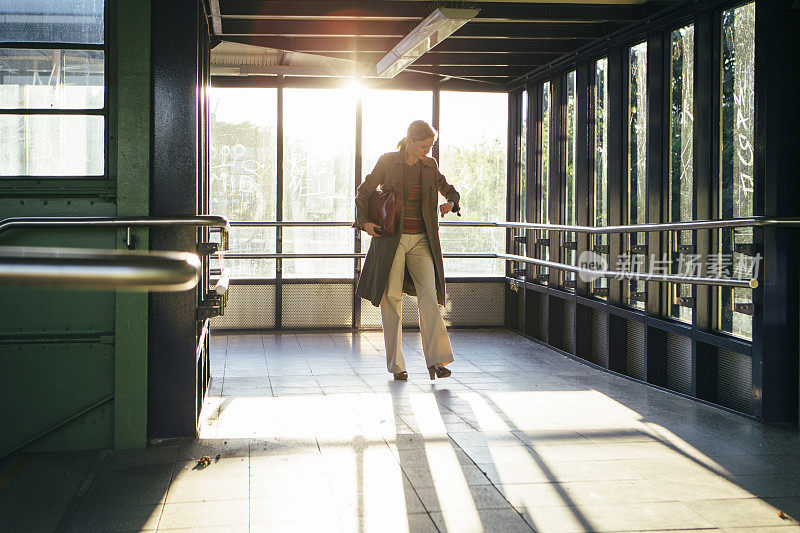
[{"x": 412, "y": 210}]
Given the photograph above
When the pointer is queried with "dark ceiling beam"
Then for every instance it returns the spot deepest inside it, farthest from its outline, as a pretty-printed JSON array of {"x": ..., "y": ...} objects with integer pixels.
[
  {"x": 281, "y": 8},
  {"x": 313, "y": 45},
  {"x": 327, "y": 28},
  {"x": 404, "y": 80},
  {"x": 445, "y": 58},
  {"x": 418, "y": 10},
  {"x": 534, "y": 30},
  {"x": 471, "y": 71}
]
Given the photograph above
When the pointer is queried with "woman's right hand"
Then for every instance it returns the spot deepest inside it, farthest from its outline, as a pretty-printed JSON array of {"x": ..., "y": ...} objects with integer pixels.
[{"x": 369, "y": 227}]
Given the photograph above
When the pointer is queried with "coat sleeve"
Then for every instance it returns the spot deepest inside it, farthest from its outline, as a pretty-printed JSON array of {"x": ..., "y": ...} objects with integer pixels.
[{"x": 365, "y": 190}]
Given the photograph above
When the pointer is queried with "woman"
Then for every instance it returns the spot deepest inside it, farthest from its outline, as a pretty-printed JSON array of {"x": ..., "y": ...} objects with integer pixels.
[{"x": 412, "y": 253}]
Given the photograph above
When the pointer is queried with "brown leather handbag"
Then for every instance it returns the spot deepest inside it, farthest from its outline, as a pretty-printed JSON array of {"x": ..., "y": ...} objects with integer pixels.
[{"x": 385, "y": 209}]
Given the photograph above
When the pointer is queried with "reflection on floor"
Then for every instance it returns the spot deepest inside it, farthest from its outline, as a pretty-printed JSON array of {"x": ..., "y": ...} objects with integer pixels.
[{"x": 308, "y": 432}]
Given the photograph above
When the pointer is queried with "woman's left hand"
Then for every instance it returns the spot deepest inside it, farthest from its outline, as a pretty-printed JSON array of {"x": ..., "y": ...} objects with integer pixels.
[{"x": 445, "y": 208}]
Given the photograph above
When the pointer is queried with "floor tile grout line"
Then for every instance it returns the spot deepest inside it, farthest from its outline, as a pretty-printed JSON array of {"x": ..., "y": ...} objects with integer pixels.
[
  {"x": 163, "y": 504},
  {"x": 249, "y": 482},
  {"x": 405, "y": 476},
  {"x": 490, "y": 481},
  {"x": 72, "y": 507},
  {"x": 266, "y": 366}
]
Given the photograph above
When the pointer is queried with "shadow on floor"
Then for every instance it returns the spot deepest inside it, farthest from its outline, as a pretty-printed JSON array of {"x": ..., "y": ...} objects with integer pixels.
[{"x": 308, "y": 431}]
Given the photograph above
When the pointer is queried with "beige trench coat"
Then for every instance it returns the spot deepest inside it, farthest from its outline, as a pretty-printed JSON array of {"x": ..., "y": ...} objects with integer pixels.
[{"x": 378, "y": 263}]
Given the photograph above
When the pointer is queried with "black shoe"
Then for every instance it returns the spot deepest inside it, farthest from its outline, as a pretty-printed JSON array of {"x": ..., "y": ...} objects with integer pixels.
[
  {"x": 400, "y": 376},
  {"x": 440, "y": 372}
]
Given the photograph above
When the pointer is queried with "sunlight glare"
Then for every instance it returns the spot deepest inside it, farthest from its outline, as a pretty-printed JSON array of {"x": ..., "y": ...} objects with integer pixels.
[
  {"x": 452, "y": 490},
  {"x": 488, "y": 418},
  {"x": 355, "y": 88}
]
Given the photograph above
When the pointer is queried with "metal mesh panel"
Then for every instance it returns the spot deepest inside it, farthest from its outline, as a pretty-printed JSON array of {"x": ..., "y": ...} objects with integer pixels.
[
  {"x": 568, "y": 331},
  {"x": 249, "y": 307},
  {"x": 467, "y": 304},
  {"x": 599, "y": 337},
  {"x": 634, "y": 365},
  {"x": 475, "y": 304},
  {"x": 319, "y": 305},
  {"x": 371, "y": 315},
  {"x": 679, "y": 363},
  {"x": 735, "y": 381}
]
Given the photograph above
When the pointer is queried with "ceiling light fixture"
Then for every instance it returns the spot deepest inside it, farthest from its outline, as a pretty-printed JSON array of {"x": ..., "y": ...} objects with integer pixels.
[{"x": 434, "y": 29}]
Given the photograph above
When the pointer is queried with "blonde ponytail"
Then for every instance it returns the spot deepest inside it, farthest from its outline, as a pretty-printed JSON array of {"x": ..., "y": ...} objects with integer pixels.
[{"x": 401, "y": 144}]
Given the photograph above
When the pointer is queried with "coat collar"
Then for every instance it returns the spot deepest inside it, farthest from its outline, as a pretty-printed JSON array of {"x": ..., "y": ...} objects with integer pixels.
[{"x": 400, "y": 160}]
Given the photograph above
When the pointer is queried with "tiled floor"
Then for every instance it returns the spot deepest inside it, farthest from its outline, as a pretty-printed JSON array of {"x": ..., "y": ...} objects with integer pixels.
[{"x": 308, "y": 432}]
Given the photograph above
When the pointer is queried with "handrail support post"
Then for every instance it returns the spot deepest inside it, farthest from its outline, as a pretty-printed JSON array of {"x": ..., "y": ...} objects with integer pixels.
[{"x": 130, "y": 238}]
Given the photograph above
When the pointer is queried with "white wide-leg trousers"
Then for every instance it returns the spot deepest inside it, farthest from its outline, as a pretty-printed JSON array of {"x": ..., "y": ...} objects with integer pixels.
[{"x": 414, "y": 251}]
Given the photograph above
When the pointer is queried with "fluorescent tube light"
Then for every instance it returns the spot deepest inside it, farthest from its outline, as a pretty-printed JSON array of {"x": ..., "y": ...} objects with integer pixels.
[{"x": 434, "y": 29}]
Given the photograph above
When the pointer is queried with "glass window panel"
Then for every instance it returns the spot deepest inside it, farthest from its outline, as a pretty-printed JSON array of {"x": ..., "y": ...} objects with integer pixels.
[
  {"x": 572, "y": 145},
  {"x": 319, "y": 154},
  {"x": 637, "y": 152},
  {"x": 260, "y": 240},
  {"x": 244, "y": 172},
  {"x": 51, "y": 145},
  {"x": 385, "y": 119},
  {"x": 246, "y": 268},
  {"x": 681, "y": 170},
  {"x": 462, "y": 240},
  {"x": 600, "y": 94},
  {"x": 319, "y": 177},
  {"x": 543, "y": 252},
  {"x": 473, "y": 158},
  {"x": 318, "y": 239},
  {"x": 736, "y": 153},
  {"x": 51, "y": 79},
  {"x": 52, "y": 21}
]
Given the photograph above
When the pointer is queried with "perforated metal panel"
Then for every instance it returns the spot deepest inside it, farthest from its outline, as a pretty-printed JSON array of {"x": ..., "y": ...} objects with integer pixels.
[
  {"x": 371, "y": 315},
  {"x": 468, "y": 304},
  {"x": 599, "y": 337},
  {"x": 325, "y": 305},
  {"x": 679, "y": 363},
  {"x": 634, "y": 364},
  {"x": 568, "y": 331},
  {"x": 319, "y": 305},
  {"x": 249, "y": 307},
  {"x": 475, "y": 304},
  {"x": 735, "y": 381}
]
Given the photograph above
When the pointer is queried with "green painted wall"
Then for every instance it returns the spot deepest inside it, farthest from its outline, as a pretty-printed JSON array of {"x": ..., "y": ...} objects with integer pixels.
[
  {"x": 80, "y": 357},
  {"x": 132, "y": 159}
]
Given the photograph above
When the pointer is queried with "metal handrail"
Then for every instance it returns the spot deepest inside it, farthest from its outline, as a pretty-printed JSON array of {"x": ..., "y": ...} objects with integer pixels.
[
  {"x": 661, "y": 278},
  {"x": 212, "y": 221},
  {"x": 759, "y": 221},
  {"x": 631, "y": 228},
  {"x": 74, "y": 268},
  {"x": 348, "y": 255},
  {"x": 288, "y": 223}
]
